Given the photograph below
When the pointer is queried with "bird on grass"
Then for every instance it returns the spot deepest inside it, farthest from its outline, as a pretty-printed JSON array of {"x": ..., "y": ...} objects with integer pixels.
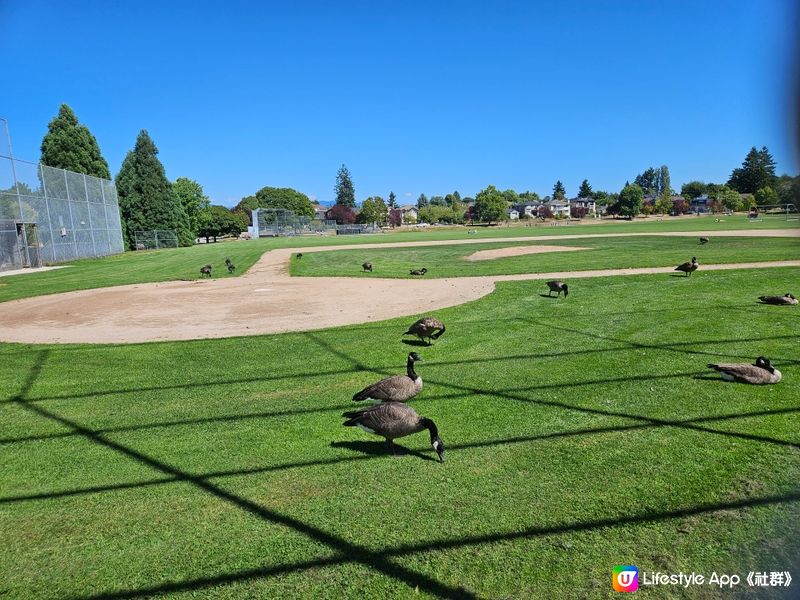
[
  {"x": 393, "y": 420},
  {"x": 367, "y": 266},
  {"x": 688, "y": 267},
  {"x": 230, "y": 265},
  {"x": 397, "y": 388},
  {"x": 760, "y": 373},
  {"x": 421, "y": 271},
  {"x": 703, "y": 241},
  {"x": 778, "y": 300},
  {"x": 299, "y": 255},
  {"x": 205, "y": 271},
  {"x": 427, "y": 327},
  {"x": 558, "y": 286}
]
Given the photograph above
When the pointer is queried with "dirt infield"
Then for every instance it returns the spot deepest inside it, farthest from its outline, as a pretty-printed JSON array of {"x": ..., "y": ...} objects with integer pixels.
[
  {"x": 518, "y": 251},
  {"x": 267, "y": 300}
]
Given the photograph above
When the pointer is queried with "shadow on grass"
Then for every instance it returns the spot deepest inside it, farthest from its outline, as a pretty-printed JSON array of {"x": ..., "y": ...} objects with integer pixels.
[
  {"x": 418, "y": 343},
  {"x": 548, "y": 296},
  {"x": 372, "y": 448}
]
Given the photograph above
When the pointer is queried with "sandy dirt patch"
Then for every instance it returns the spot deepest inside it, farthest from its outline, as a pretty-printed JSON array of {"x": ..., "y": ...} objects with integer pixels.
[
  {"x": 518, "y": 251},
  {"x": 266, "y": 300},
  {"x": 28, "y": 271}
]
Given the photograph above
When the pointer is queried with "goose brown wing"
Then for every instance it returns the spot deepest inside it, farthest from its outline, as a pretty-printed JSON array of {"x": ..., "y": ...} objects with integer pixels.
[
  {"x": 397, "y": 388},
  {"x": 744, "y": 372},
  {"x": 391, "y": 420},
  {"x": 684, "y": 266}
]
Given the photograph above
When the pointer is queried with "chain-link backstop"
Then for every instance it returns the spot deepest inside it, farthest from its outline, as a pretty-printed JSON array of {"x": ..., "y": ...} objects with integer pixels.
[
  {"x": 268, "y": 222},
  {"x": 50, "y": 215},
  {"x": 156, "y": 239}
]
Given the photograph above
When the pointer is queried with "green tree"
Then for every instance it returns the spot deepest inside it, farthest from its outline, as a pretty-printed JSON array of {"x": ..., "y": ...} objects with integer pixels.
[
  {"x": 585, "y": 190},
  {"x": 490, "y": 205},
  {"x": 559, "y": 192},
  {"x": 757, "y": 171},
  {"x": 392, "y": 203},
  {"x": 147, "y": 199},
  {"x": 373, "y": 210},
  {"x": 70, "y": 145},
  {"x": 194, "y": 201},
  {"x": 438, "y": 201},
  {"x": 664, "y": 182},
  {"x": 529, "y": 196},
  {"x": 647, "y": 181},
  {"x": 422, "y": 201},
  {"x": 344, "y": 189},
  {"x": 631, "y": 199},
  {"x": 511, "y": 196},
  {"x": 730, "y": 199},
  {"x": 218, "y": 220},
  {"x": 288, "y": 198},
  {"x": 766, "y": 196},
  {"x": 693, "y": 189}
]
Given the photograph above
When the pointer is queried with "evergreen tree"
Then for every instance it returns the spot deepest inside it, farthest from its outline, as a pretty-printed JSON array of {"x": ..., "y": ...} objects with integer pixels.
[
  {"x": 195, "y": 203},
  {"x": 648, "y": 181},
  {"x": 585, "y": 190},
  {"x": 559, "y": 192},
  {"x": 71, "y": 146},
  {"x": 392, "y": 204},
  {"x": 345, "y": 192},
  {"x": 146, "y": 198},
  {"x": 422, "y": 201},
  {"x": 757, "y": 171},
  {"x": 664, "y": 182}
]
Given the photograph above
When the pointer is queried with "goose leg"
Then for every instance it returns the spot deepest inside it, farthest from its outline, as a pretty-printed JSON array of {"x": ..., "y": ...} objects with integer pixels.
[{"x": 390, "y": 447}]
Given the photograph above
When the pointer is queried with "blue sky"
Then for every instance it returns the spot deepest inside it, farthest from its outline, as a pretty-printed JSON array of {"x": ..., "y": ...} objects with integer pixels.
[{"x": 412, "y": 96}]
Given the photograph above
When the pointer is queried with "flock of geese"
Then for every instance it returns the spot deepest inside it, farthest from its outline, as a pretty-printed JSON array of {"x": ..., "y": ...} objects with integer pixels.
[
  {"x": 391, "y": 418},
  {"x": 205, "y": 270}
]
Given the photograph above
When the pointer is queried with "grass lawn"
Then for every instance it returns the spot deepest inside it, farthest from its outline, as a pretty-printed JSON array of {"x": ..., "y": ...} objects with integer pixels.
[
  {"x": 185, "y": 263},
  {"x": 605, "y": 253},
  {"x": 581, "y": 434}
]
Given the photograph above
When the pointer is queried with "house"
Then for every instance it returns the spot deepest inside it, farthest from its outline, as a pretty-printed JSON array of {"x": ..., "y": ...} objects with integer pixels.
[
  {"x": 320, "y": 210},
  {"x": 528, "y": 209},
  {"x": 513, "y": 213},
  {"x": 410, "y": 213},
  {"x": 559, "y": 208},
  {"x": 701, "y": 204},
  {"x": 587, "y": 204}
]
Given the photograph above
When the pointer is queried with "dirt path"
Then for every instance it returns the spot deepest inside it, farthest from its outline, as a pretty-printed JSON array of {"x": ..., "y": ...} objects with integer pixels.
[{"x": 267, "y": 300}]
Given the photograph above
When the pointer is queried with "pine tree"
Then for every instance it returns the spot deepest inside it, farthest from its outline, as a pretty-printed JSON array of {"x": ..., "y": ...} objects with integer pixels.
[
  {"x": 392, "y": 204},
  {"x": 345, "y": 192},
  {"x": 757, "y": 171},
  {"x": 559, "y": 193},
  {"x": 586, "y": 190},
  {"x": 146, "y": 198},
  {"x": 71, "y": 146}
]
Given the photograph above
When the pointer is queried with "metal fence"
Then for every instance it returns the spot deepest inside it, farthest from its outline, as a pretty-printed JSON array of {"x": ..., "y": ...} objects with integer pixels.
[
  {"x": 269, "y": 222},
  {"x": 155, "y": 239},
  {"x": 50, "y": 215}
]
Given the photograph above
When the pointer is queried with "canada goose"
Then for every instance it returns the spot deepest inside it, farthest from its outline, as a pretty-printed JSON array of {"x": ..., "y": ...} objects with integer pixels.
[
  {"x": 427, "y": 327},
  {"x": 703, "y": 240},
  {"x": 760, "y": 373},
  {"x": 688, "y": 267},
  {"x": 205, "y": 271},
  {"x": 299, "y": 255},
  {"x": 228, "y": 261},
  {"x": 558, "y": 286},
  {"x": 393, "y": 420},
  {"x": 397, "y": 388},
  {"x": 367, "y": 266},
  {"x": 785, "y": 299},
  {"x": 231, "y": 267},
  {"x": 421, "y": 271}
]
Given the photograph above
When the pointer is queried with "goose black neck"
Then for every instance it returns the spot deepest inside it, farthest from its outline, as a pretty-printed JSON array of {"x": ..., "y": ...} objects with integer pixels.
[
  {"x": 410, "y": 368},
  {"x": 430, "y": 426}
]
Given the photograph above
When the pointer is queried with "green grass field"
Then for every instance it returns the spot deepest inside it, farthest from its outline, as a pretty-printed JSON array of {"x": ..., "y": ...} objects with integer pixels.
[
  {"x": 185, "y": 263},
  {"x": 581, "y": 434},
  {"x": 604, "y": 253}
]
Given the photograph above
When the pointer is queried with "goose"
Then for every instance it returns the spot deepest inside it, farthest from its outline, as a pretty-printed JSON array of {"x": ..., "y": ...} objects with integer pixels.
[
  {"x": 780, "y": 300},
  {"x": 231, "y": 267},
  {"x": 762, "y": 372},
  {"x": 367, "y": 266},
  {"x": 427, "y": 327},
  {"x": 558, "y": 286},
  {"x": 703, "y": 240},
  {"x": 393, "y": 420},
  {"x": 397, "y": 388},
  {"x": 205, "y": 270},
  {"x": 421, "y": 271},
  {"x": 228, "y": 261},
  {"x": 299, "y": 255},
  {"x": 688, "y": 267}
]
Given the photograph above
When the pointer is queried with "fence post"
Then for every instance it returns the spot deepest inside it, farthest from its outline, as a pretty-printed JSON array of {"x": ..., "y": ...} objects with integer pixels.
[
  {"x": 89, "y": 211},
  {"x": 47, "y": 208},
  {"x": 71, "y": 218}
]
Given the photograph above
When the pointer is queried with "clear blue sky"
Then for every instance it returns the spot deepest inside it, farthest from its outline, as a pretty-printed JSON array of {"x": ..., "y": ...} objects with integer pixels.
[{"x": 412, "y": 96}]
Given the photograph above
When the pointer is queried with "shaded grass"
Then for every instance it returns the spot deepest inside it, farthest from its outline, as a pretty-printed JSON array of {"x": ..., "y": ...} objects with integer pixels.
[
  {"x": 603, "y": 253},
  {"x": 185, "y": 263},
  {"x": 581, "y": 434}
]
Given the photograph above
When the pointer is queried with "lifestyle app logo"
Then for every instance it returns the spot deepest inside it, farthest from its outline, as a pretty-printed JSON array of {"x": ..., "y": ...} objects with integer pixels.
[{"x": 625, "y": 578}]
